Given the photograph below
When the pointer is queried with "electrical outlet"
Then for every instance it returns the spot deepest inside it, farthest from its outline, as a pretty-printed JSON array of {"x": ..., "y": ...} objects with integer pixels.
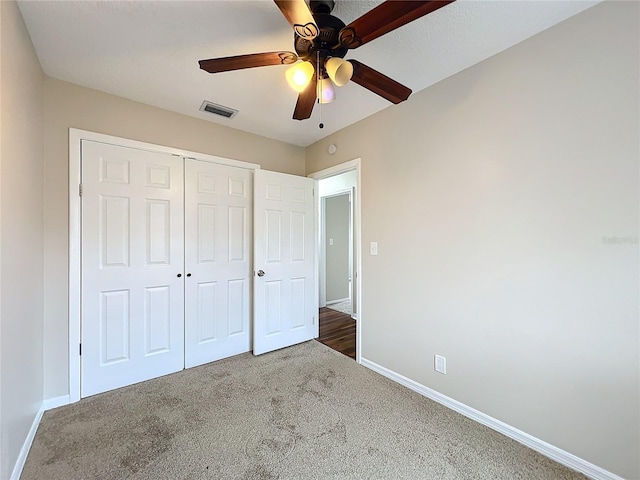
[{"x": 440, "y": 364}]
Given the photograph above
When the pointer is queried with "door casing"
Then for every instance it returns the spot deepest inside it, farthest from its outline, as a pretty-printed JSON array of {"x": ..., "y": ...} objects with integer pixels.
[
  {"x": 323, "y": 244},
  {"x": 357, "y": 226}
]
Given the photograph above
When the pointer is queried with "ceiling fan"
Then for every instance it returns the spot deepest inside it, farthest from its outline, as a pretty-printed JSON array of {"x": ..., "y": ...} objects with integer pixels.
[{"x": 321, "y": 41}]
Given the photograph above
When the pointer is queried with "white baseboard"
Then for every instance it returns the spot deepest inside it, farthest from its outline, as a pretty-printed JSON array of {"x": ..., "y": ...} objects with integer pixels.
[
  {"x": 546, "y": 449},
  {"x": 51, "y": 403},
  {"x": 340, "y": 300},
  {"x": 47, "y": 404},
  {"x": 26, "y": 446}
]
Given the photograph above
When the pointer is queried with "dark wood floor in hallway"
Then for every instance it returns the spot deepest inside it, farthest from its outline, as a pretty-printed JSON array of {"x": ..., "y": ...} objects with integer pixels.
[{"x": 338, "y": 331}]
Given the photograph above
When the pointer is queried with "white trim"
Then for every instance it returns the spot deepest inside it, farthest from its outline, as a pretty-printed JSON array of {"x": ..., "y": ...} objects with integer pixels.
[
  {"x": 322, "y": 264},
  {"x": 333, "y": 302},
  {"x": 75, "y": 155},
  {"x": 26, "y": 446},
  {"x": 337, "y": 193},
  {"x": 47, "y": 404},
  {"x": 51, "y": 403},
  {"x": 316, "y": 225},
  {"x": 321, "y": 231},
  {"x": 152, "y": 147},
  {"x": 352, "y": 253},
  {"x": 330, "y": 172},
  {"x": 565, "y": 458}
]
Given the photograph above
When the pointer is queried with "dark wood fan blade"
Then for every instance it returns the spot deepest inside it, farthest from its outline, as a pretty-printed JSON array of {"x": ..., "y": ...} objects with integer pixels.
[
  {"x": 378, "y": 83},
  {"x": 215, "y": 65},
  {"x": 306, "y": 101},
  {"x": 386, "y": 17},
  {"x": 299, "y": 17}
]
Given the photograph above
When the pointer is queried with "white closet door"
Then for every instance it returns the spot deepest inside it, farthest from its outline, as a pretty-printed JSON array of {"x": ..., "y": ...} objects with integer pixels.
[
  {"x": 132, "y": 266},
  {"x": 217, "y": 260},
  {"x": 285, "y": 293}
]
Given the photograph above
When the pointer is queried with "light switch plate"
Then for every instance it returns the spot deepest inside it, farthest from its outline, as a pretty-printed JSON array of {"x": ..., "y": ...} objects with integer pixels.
[
  {"x": 374, "y": 248},
  {"x": 440, "y": 364}
]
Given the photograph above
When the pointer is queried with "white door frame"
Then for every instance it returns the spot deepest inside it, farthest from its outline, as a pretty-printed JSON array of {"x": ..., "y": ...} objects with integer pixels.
[
  {"x": 75, "y": 228},
  {"x": 322, "y": 257},
  {"x": 330, "y": 172}
]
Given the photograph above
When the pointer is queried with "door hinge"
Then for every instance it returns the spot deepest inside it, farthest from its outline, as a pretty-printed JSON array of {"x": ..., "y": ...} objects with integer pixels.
[
  {"x": 80, "y": 349},
  {"x": 80, "y": 189}
]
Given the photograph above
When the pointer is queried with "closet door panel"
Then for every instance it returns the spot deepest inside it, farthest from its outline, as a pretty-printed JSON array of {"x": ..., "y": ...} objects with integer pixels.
[
  {"x": 132, "y": 252},
  {"x": 218, "y": 202}
]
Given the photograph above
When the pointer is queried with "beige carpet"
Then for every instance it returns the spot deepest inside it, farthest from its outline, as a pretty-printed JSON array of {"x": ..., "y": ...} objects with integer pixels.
[{"x": 305, "y": 412}]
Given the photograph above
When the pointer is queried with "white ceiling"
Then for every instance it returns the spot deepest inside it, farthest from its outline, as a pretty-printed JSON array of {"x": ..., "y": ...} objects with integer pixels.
[{"x": 148, "y": 51}]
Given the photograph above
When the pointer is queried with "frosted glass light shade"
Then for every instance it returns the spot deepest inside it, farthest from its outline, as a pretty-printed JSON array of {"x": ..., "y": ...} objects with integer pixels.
[
  {"x": 339, "y": 70},
  {"x": 326, "y": 92},
  {"x": 300, "y": 75}
]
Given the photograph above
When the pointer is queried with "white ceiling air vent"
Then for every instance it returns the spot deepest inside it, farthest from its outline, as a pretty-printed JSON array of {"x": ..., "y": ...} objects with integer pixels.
[{"x": 216, "y": 109}]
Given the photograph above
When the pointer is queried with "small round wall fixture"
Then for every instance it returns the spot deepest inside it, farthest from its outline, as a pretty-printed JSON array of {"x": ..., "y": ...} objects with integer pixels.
[{"x": 332, "y": 149}]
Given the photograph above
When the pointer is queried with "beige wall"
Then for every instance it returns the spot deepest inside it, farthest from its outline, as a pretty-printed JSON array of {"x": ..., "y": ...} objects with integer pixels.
[
  {"x": 21, "y": 227},
  {"x": 495, "y": 200},
  {"x": 68, "y": 105},
  {"x": 495, "y": 197}
]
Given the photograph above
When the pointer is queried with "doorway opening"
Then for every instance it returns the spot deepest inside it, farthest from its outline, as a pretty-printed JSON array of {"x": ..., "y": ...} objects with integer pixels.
[{"x": 338, "y": 258}]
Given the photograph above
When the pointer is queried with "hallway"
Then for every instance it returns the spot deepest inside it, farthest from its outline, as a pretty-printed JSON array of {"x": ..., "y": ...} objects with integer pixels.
[{"x": 338, "y": 331}]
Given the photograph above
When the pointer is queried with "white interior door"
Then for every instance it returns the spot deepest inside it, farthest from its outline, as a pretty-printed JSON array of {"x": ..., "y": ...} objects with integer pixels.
[
  {"x": 285, "y": 293},
  {"x": 132, "y": 266},
  {"x": 217, "y": 261}
]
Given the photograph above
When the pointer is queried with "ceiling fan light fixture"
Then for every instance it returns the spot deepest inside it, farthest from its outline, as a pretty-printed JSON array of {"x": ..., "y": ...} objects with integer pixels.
[
  {"x": 339, "y": 70},
  {"x": 327, "y": 38},
  {"x": 299, "y": 76},
  {"x": 326, "y": 92}
]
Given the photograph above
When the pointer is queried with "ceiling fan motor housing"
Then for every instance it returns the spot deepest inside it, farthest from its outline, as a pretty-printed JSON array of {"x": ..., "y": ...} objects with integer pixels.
[{"x": 327, "y": 43}]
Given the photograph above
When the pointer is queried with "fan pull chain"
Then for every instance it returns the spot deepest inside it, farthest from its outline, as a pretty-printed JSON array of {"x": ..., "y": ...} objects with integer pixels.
[{"x": 318, "y": 89}]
